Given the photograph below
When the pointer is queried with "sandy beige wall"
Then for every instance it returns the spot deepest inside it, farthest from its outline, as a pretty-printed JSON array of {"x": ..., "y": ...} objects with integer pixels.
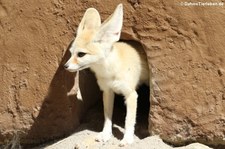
[{"x": 185, "y": 48}]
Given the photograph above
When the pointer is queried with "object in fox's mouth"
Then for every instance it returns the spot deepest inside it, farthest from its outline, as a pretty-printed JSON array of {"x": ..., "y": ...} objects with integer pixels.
[{"x": 75, "y": 90}]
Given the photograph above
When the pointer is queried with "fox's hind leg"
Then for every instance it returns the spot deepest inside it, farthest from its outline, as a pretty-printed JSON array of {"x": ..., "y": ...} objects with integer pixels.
[
  {"x": 131, "y": 103},
  {"x": 108, "y": 101}
]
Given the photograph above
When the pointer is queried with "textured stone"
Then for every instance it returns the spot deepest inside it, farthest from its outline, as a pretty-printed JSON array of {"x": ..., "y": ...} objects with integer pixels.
[{"x": 185, "y": 49}]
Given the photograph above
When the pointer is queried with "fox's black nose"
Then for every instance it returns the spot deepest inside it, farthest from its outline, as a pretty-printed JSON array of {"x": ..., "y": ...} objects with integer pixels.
[{"x": 66, "y": 66}]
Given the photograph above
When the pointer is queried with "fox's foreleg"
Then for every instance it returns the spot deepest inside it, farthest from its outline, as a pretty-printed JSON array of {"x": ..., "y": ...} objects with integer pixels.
[{"x": 108, "y": 102}]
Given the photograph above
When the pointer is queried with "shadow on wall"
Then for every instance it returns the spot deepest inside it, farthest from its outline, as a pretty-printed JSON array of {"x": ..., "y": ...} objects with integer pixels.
[{"x": 60, "y": 114}]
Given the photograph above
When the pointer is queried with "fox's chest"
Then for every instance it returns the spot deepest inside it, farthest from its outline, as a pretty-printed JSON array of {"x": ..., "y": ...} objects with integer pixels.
[
  {"x": 113, "y": 75},
  {"x": 117, "y": 86}
]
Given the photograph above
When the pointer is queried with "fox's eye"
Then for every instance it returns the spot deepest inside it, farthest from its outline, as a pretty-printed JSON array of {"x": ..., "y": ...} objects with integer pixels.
[{"x": 81, "y": 54}]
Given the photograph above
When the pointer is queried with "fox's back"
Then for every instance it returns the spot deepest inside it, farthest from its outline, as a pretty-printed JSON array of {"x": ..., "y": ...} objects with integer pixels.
[
  {"x": 125, "y": 67},
  {"x": 133, "y": 60}
]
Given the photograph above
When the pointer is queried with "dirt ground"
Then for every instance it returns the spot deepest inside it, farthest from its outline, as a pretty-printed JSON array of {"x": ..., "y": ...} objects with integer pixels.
[{"x": 84, "y": 137}]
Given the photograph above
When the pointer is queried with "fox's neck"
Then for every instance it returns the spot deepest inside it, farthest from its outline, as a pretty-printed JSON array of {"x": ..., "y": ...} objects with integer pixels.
[{"x": 107, "y": 66}]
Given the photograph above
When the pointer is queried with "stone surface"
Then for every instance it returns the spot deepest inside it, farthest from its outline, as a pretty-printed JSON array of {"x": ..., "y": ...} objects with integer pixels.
[
  {"x": 186, "y": 57},
  {"x": 84, "y": 136},
  {"x": 185, "y": 49}
]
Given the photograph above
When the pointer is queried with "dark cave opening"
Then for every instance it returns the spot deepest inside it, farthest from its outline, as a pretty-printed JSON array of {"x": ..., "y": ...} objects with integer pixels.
[{"x": 142, "y": 116}]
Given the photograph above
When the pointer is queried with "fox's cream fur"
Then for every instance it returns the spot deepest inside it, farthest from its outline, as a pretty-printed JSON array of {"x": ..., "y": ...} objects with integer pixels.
[{"x": 119, "y": 68}]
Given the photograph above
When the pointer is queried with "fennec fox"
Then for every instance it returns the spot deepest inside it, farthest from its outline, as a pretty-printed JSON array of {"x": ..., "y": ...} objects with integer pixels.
[{"x": 118, "y": 67}]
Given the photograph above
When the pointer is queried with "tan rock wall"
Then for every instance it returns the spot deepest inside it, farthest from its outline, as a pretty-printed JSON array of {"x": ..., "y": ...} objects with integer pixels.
[
  {"x": 185, "y": 50},
  {"x": 187, "y": 59}
]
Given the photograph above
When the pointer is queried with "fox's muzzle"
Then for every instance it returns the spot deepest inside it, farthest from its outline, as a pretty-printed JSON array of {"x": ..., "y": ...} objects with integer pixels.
[{"x": 66, "y": 66}]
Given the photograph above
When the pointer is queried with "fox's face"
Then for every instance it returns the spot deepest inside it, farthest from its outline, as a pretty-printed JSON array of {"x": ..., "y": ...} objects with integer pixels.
[
  {"x": 94, "y": 41},
  {"x": 84, "y": 53}
]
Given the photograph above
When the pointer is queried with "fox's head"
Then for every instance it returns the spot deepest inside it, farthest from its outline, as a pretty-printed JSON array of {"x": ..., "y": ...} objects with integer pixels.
[{"x": 94, "y": 40}]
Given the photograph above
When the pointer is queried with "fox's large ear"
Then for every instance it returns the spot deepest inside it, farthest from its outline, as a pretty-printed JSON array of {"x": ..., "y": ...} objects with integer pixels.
[
  {"x": 90, "y": 21},
  {"x": 111, "y": 29}
]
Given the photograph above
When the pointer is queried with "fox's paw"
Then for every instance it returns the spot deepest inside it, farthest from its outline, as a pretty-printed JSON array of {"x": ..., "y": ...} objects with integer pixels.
[
  {"x": 126, "y": 140},
  {"x": 103, "y": 137}
]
